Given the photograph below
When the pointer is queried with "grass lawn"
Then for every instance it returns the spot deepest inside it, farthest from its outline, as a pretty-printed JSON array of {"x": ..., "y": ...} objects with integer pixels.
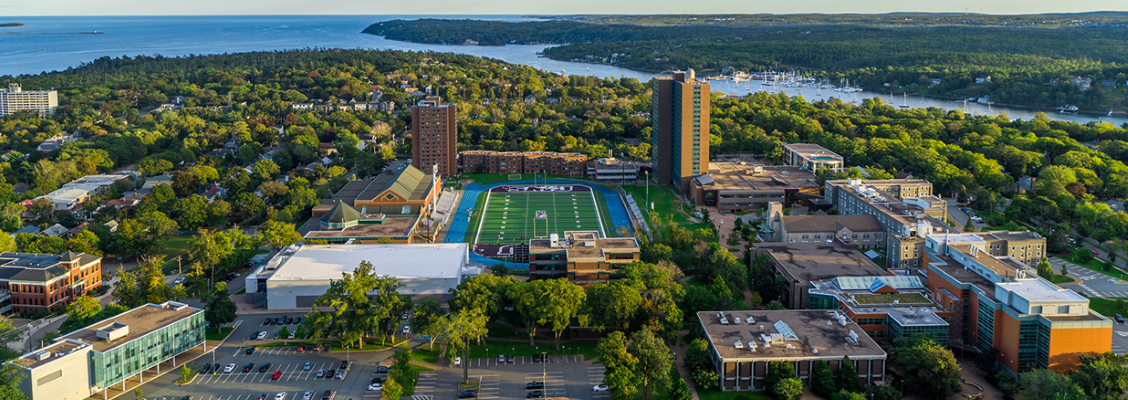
[
  {"x": 1061, "y": 279},
  {"x": 1097, "y": 265},
  {"x": 176, "y": 245},
  {"x": 469, "y": 385},
  {"x": 242, "y": 291},
  {"x": 664, "y": 200},
  {"x": 211, "y": 334},
  {"x": 1109, "y": 307},
  {"x": 423, "y": 355},
  {"x": 491, "y": 348}
]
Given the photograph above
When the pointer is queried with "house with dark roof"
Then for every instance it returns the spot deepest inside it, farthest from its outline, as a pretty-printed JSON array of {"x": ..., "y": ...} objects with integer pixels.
[{"x": 42, "y": 281}]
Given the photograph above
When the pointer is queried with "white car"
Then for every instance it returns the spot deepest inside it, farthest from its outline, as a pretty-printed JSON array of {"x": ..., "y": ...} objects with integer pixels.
[
  {"x": 375, "y": 387},
  {"x": 457, "y": 361},
  {"x": 262, "y": 335},
  {"x": 280, "y": 396},
  {"x": 599, "y": 388},
  {"x": 228, "y": 368},
  {"x": 406, "y": 329},
  {"x": 308, "y": 395}
]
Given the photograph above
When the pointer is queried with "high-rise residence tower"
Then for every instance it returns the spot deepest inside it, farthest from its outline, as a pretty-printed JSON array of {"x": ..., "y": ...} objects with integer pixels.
[
  {"x": 14, "y": 99},
  {"x": 680, "y": 117},
  {"x": 434, "y": 136}
]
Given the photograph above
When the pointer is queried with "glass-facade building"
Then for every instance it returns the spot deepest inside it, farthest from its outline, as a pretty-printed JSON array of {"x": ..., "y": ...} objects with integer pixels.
[{"x": 127, "y": 359}]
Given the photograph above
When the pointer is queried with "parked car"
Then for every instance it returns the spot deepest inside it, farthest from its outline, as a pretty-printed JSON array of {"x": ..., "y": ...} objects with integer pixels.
[
  {"x": 536, "y": 394},
  {"x": 280, "y": 396},
  {"x": 248, "y": 367},
  {"x": 207, "y": 368},
  {"x": 264, "y": 367},
  {"x": 534, "y": 385},
  {"x": 536, "y": 358},
  {"x": 215, "y": 367},
  {"x": 383, "y": 370},
  {"x": 1095, "y": 252},
  {"x": 262, "y": 335},
  {"x": 599, "y": 388},
  {"x": 378, "y": 380},
  {"x": 261, "y": 396},
  {"x": 330, "y": 374},
  {"x": 307, "y": 366},
  {"x": 254, "y": 335},
  {"x": 320, "y": 373},
  {"x": 266, "y": 322},
  {"x": 291, "y": 336},
  {"x": 308, "y": 395},
  {"x": 375, "y": 387},
  {"x": 468, "y": 394},
  {"x": 340, "y": 374},
  {"x": 1119, "y": 319},
  {"x": 344, "y": 364},
  {"x": 250, "y": 350},
  {"x": 501, "y": 359},
  {"x": 509, "y": 358},
  {"x": 301, "y": 347},
  {"x": 300, "y": 319},
  {"x": 229, "y": 368},
  {"x": 277, "y": 374},
  {"x": 458, "y": 361},
  {"x": 329, "y": 394}
]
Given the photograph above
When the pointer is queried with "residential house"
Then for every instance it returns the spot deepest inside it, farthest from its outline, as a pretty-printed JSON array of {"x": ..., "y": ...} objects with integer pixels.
[{"x": 983, "y": 79}]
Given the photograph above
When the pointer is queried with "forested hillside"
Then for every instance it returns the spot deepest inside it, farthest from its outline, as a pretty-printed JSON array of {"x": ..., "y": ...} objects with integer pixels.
[{"x": 1021, "y": 62}]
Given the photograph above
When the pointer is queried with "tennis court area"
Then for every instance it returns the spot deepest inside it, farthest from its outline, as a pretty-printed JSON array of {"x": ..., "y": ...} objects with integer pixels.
[{"x": 517, "y": 213}]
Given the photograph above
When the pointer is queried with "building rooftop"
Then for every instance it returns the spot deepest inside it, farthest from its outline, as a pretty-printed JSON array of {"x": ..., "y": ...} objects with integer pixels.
[
  {"x": 1036, "y": 289},
  {"x": 812, "y": 333},
  {"x": 410, "y": 184},
  {"x": 584, "y": 244},
  {"x": 1010, "y": 236},
  {"x": 738, "y": 176},
  {"x": 140, "y": 322},
  {"x": 393, "y": 226},
  {"x": 957, "y": 271},
  {"x": 404, "y": 261},
  {"x": 39, "y": 267},
  {"x": 820, "y": 261},
  {"x": 1005, "y": 266},
  {"x": 909, "y": 316},
  {"x": 54, "y": 351},
  {"x": 830, "y": 223},
  {"x": 812, "y": 151}
]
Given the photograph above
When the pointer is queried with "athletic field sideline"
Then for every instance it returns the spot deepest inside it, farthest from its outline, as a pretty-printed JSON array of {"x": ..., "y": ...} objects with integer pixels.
[{"x": 517, "y": 213}]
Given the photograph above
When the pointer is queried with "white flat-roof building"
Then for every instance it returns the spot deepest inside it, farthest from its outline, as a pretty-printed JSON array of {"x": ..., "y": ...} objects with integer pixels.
[
  {"x": 294, "y": 278},
  {"x": 79, "y": 190},
  {"x": 15, "y": 99}
]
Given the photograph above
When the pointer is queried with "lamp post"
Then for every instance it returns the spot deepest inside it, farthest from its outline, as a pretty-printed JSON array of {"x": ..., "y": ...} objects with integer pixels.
[{"x": 347, "y": 358}]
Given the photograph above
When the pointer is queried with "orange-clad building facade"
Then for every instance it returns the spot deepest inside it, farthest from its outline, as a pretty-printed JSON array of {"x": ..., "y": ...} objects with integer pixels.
[{"x": 999, "y": 303}]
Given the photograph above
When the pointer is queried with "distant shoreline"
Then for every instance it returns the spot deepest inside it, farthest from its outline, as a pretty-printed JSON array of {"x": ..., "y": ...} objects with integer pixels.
[{"x": 12, "y": 25}]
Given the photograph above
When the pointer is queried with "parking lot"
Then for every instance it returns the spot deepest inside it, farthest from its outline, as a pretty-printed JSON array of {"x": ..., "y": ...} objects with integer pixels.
[{"x": 562, "y": 375}]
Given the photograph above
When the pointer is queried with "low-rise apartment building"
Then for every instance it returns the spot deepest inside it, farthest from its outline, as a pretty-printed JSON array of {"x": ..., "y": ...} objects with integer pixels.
[
  {"x": 739, "y": 186},
  {"x": 75, "y": 192},
  {"x": 85, "y": 362},
  {"x": 743, "y": 343},
  {"x": 997, "y": 302},
  {"x": 30, "y": 282},
  {"x": 580, "y": 256},
  {"x": 516, "y": 162}
]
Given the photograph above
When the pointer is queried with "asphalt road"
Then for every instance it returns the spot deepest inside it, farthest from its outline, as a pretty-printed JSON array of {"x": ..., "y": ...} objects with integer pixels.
[{"x": 1092, "y": 283}]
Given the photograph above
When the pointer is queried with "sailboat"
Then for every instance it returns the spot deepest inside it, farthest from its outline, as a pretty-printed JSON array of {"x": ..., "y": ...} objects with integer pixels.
[{"x": 905, "y": 102}]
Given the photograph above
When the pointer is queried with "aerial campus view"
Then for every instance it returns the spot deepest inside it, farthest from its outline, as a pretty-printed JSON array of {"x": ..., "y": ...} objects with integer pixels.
[{"x": 517, "y": 200}]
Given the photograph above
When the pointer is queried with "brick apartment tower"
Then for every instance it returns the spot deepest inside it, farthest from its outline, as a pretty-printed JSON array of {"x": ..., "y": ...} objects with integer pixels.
[
  {"x": 434, "y": 136},
  {"x": 680, "y": 117}
]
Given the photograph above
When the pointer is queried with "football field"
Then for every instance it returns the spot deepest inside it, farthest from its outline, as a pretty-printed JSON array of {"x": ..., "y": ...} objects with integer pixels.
[{"x": 517, "y": 213}]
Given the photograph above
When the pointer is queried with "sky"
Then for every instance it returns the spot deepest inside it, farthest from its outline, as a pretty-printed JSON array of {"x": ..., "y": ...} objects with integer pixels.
[{"x": 12, "y": 8}]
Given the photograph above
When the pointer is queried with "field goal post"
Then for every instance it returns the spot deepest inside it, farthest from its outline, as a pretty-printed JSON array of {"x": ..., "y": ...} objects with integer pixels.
[
  {"x": 514, "y": 177},
  {"x": 540, "y": 214}
]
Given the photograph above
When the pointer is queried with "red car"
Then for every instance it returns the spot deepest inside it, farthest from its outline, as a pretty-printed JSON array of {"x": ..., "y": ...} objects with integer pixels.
[
  {"x": 277, "y": 374},
  {"x": 1095, "y": 252}
]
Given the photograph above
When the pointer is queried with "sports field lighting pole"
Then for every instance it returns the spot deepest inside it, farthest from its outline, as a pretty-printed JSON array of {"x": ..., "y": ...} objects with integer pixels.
[{"x": 644, "y": 206}]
